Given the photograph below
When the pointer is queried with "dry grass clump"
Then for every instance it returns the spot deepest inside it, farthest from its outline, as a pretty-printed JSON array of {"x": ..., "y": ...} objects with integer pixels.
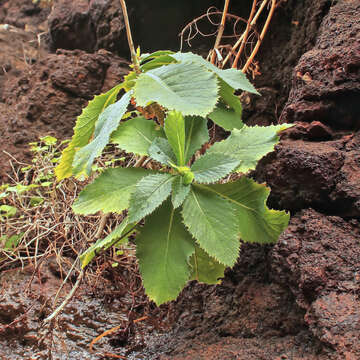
[
  {"x": 38, "y": 226},
  {"x": 36, "y": 218}
]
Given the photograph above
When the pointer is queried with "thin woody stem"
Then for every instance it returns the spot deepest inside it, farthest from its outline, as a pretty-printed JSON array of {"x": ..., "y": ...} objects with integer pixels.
[
  {"x": 67, "y": 299},
  {"x": 252, "y": 12},
  {"x": 253, "y": 22},
  {"x": 261, "y": 38},
  {"x": 134, "y": 58},
  {"x": 140, "y": 162},
  {"x": 221, "y": 30}
]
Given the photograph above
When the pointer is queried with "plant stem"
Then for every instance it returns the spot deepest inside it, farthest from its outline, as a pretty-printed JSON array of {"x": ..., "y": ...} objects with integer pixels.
[
  {"x": 65, "y": 280},
  {"x": 140, "y": 161},
  {"x": 221, "y": 30},
  {"x": 253, "y": 22},
  {"x": 134, "y": 58},
  {"x": 261, "y": 38},
  {"x": 252, "y": 12},
  {"x": 102, "y": 224},
  {"x": 67, "y": 299}
]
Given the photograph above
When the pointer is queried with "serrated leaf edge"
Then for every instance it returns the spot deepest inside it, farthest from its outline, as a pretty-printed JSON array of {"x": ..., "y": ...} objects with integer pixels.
[
  {"x": 197, "y": 242},
  {"x": 286, "y": 126},
  {"x": 113, "y": 210},
  {"x": 70, "y": 151},
  {"x": 188, "y": 113},
  {"x": 187, "y": 146},
  {"x": 268, "y": 190},
  {"x": 188, "y": 271},
  {"x": 148, "y": 213},
  {"x": 172, "y": 193}
]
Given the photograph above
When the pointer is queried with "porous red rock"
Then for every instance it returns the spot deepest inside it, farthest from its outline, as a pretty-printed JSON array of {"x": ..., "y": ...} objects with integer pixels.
[
  {"x": 335, "y": 319},
  {"x": 326, "y": 83},
  {"x": 49, "y": 96},
  {"x": 301, "y": 173},
  {"x": 346, "y": 193},
  {"x": 318, "y": 257},
  {"x": 88, "y": 25},
  {"x": 315, "y": 165}
]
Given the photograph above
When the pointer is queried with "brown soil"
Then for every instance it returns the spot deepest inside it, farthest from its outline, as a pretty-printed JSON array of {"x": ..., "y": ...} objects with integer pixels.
[{"x": 296, "y": 300}]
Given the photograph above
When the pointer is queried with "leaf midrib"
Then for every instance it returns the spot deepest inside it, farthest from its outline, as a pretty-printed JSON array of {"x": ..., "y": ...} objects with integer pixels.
[
  {"x": 181, "y": 159},
  {"x": 188, "y": 140},
  {"x": 159, "y": 186},
  {"x": 206, "y": 218},
  {"x": 141, "y": 134},
  {"x": 226, "y": 197},
  {"x": 168, "y": 242},
  {"x": 107, "y": 195},
  {"x": 103, "y": 107}
]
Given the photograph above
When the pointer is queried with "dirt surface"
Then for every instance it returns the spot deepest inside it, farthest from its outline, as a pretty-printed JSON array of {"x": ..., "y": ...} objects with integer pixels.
[
  {"x": 94, "y": 309},
  {"x": 296, "y": 300}
]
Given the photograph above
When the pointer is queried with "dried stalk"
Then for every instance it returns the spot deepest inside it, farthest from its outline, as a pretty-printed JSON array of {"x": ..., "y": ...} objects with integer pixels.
[
  {"x": 101, "y": 227},
  {"x": 253, "y": 22},
  {"x": 134, "y": 58},
  {"x": 248, "y": 25},
  {"x": 221, "y": 31},
  {"x": 67, "y": 299},
  {"x": 140, "y": 162},
  {"x": 262, "y": 35}
]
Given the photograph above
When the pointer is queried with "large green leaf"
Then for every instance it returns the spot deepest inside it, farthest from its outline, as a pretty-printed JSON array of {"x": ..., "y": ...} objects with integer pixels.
[
  {"x": 227, "y": 95},
  {"x": 108, "y": 121},
  {"x": 210, "y": 168},
  {"x": 213, "y": 223},
  {"x": 257, "y": 222},
  {"x": 161, "y": 151},
  {"x": 136, "y": 135},
  {"x": 106, "y": 243},
  {"x": 228, "y": 119},
  {"x": 249, "y": 144},
  {"x": 84, "y": 129},
  {"x": 175, "y": 133},
  {"x": 150, "y": 192},
  {"x": 196, "y": 135},
  {"x": 234, "y": 78},
  {"x": 110, "y": 192},
  {"x": 163, "y": 249},
  {"x": 130, "y": 80},
  {"x": 188, "y": 88},
  {"x": 205, "y": 268},
  {"x": 157, "y": 62},
  {"x": 179, "y": 191},
  {"x": 154, "y": 55}
]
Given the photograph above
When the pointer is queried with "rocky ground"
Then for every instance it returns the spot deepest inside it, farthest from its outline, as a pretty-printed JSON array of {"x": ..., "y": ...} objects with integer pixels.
[{"x": 296, "y": 300}]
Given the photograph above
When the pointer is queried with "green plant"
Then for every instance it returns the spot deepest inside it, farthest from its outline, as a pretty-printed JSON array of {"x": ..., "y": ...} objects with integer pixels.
[{"x": 196, "y": 206}]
